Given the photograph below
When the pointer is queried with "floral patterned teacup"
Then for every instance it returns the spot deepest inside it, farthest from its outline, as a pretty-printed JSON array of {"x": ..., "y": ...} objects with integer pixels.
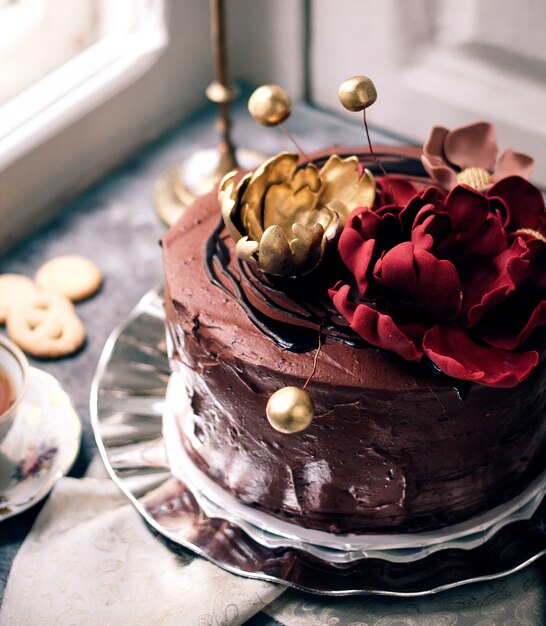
[{"x": 14, "y": 366}]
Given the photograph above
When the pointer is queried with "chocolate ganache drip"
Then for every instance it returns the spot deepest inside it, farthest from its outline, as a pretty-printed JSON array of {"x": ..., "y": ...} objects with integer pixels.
[{"x": 293, "y": 311}]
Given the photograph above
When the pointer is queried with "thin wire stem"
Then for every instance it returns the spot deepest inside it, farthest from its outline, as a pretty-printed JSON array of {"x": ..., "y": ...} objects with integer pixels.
[
  {"x": 317, "y": 352},
  {"x": 293, "y": 140},
  {"x": 378, "y": 162}
]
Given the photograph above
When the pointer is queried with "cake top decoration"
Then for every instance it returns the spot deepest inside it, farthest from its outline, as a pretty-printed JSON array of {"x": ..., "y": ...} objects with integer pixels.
[
  {"x": 282, "y": 218},
  {"x": 457, "y": 278},
  {"x": 270, "y": 105},
  {"x": 357, "y": 93},
  {"x": 448, "y": 269}
]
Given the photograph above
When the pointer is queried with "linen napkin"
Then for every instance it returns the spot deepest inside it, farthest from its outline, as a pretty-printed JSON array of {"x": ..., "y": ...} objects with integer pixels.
[
  {"x": 90, "y": 559},
  {"x": 517, "y": 600}
]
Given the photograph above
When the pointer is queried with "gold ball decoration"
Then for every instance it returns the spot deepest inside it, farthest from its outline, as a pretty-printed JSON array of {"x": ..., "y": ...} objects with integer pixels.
[
  {"x": 269, "y": 105},
  {"x": 357, "y": 93},
  {"x": 290, "y": 410}
]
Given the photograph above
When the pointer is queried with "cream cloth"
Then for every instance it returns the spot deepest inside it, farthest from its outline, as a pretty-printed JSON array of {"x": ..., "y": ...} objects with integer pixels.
[
  {"x": 517, "y": 600},
  {"x": 90, "y": 559}
]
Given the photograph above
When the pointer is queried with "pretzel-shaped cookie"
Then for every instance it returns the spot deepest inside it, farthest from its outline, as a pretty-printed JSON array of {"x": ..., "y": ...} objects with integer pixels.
[
  {"x": 72, "y": 276},
  {"x": 46, "y": 325},
  {"x": 14, "y": 288}
]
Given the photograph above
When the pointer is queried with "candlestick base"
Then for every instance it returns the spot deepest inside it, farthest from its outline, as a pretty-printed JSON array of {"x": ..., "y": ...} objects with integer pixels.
[{"x": 178, "y": 187}]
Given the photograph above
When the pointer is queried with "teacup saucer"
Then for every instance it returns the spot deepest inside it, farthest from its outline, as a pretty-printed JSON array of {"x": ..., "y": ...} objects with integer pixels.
[{"x": 40, "y": 447}]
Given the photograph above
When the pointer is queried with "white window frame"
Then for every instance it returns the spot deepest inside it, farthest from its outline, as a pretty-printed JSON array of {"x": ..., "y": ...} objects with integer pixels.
[{"x": 81, "y": 84}]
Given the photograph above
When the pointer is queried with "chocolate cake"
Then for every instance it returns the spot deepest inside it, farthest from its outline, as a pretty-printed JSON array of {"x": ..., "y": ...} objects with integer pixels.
[{"x": 406, "y": 436}]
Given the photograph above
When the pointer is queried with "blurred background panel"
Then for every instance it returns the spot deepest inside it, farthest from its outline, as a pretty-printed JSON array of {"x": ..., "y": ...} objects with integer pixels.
[{"x": 439, "y": 62}]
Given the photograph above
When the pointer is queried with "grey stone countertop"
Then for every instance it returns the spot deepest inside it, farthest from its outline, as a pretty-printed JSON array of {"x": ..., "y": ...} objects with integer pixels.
[{"x": 114, "y": 224}]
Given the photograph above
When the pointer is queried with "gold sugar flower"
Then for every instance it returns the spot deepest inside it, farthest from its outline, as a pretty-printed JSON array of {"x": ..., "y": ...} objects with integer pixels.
[{"x": 283, "y": 218}]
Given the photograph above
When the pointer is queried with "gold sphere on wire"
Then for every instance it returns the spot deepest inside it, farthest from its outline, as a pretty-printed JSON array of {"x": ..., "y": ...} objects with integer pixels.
[
  {"x": 357, "y": 93},
  {"x": 290, "y": 410},
  {"x": 269, "y": 105}
]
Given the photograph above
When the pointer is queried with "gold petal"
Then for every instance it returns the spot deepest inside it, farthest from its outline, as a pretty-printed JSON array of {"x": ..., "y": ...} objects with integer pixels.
[
  {"x": 227, "y": 196},
  {"x": 278, "y": 169},
  {"x": 308, "y": 176},
  {"x": 275, "y": 256},
  {"x": 229, "y": 199},
  {"x": 227, "y": 181},
  {"x": 307, "y": 247},
  {"x": 341, "y": 181},
  {"x": 284, "y": 207},
  {"x": 246, "y": 249},
  {"x": 329, "y": 217}
]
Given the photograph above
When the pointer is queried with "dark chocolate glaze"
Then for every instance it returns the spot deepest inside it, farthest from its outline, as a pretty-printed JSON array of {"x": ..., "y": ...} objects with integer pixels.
[
  {"x": 218, "y": 259},
  {"x": 392, "y": 448}
]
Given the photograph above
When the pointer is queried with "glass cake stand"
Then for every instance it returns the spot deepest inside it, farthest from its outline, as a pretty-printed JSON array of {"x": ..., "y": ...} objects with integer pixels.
[{"x": 132, "y": 406}]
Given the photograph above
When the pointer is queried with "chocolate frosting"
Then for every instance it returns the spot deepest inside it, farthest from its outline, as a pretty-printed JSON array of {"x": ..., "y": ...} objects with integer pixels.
[{"x": 393, "y": 446}]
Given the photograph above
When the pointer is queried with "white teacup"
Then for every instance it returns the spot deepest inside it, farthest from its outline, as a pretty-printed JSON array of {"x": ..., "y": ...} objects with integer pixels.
[{"x": 15, "y": 365}]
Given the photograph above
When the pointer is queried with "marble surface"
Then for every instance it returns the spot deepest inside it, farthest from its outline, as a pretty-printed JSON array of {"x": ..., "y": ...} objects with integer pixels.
[{"x": 114, "y": 224}]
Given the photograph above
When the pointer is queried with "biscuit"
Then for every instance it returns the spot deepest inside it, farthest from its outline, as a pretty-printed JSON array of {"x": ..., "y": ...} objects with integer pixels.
[
  {"x": 46, "y": 325},
  {"x": 14, "y": 288},
  {"x": 75, "y": 277}
]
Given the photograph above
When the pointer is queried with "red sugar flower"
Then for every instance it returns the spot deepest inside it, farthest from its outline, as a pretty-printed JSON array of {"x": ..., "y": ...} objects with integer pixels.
[{"x": 459, "y": 278}]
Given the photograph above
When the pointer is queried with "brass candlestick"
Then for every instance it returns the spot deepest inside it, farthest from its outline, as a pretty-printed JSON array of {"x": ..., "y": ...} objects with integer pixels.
[{"x": 197, "y": 175}]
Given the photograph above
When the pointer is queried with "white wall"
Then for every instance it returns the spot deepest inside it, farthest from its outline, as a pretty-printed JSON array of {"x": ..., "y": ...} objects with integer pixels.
[{"x": 267, "y": 42}]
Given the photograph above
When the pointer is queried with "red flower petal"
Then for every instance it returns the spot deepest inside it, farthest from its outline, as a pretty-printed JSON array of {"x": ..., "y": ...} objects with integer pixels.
[
  {"x": 538, "y": 318},
  {"x": 474, "y": 145},
  {"x": 457, "y": 355},
  {"x": 402, "y": 188},
  {"x": 430, "y": 228},
  {"x": 378, "y": 329},
  {"x": 467, "y": 207},
  {"x": 363, "y": 233},
  {"x": 431, "y": 198},
  {"x": 489, "y": 286},
  {"x": 507, "y": 326},
  {"x": 339, "y": 294},
  {"x": 524, "y": 201},
  {"x": 475, "y": 231},
  {"x": 356, "y": 254},
  {"x": 510, "y": 324},
  {"x": 420, "y": 281}
]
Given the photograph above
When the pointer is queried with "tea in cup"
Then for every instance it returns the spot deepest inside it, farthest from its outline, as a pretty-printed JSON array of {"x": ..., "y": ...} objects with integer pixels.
[{"x": 13, "y": 382}]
